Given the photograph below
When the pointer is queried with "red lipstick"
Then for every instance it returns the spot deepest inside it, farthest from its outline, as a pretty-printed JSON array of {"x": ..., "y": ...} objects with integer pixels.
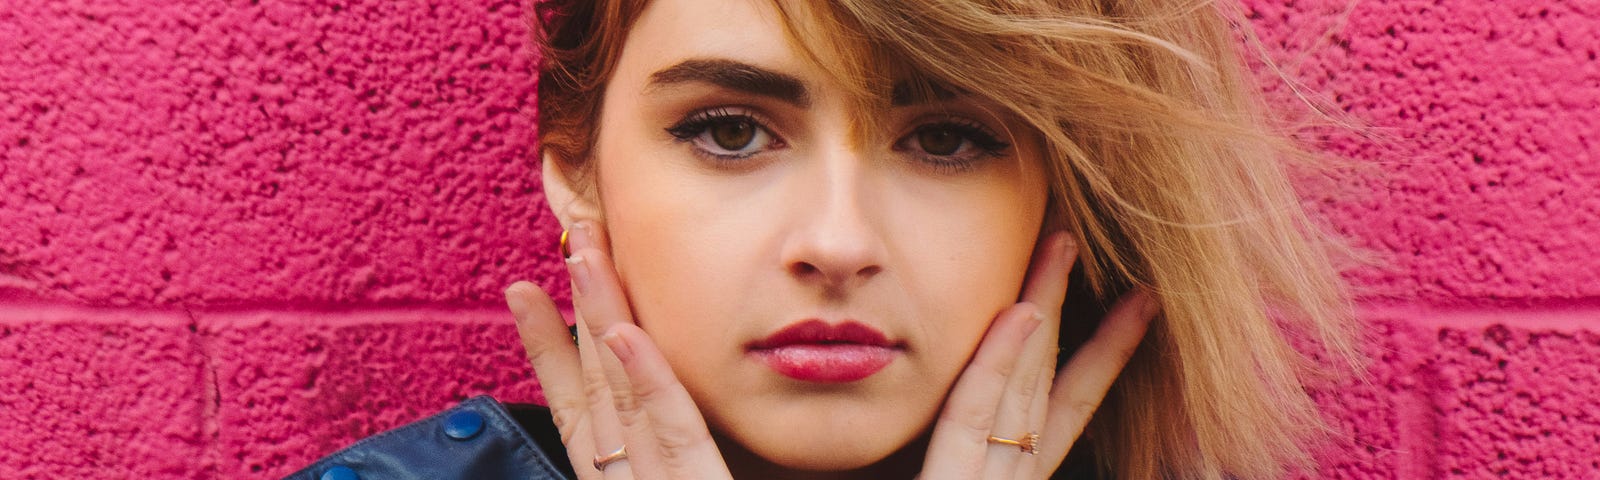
[{"x": 814, "y": 351}]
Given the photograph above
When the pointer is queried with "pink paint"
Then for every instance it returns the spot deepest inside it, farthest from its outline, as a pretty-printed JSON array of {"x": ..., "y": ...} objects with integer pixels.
[{"x": 235, "y": 236}]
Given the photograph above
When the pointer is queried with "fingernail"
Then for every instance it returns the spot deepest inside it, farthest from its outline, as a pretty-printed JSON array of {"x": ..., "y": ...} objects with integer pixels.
[
  {"x": 582, "y": 236},
  {"x": 514, "y": 299},
  {"x": 1033, "y": 321},
  {"x": 618, "y": 346},
  {"x": 579, "y": 270}
]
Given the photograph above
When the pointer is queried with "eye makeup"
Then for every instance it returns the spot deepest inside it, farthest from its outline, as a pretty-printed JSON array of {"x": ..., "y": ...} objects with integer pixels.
[
  {"x": 729, "y": 135},
  {"x": 725, "y": 134},
  {"x": 952, "y": 144}
]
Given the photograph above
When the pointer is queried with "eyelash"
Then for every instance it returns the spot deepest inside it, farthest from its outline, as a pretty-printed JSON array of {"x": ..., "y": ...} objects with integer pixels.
[
  {"x": 697, "y": 123},
  {"x": 983, "y": 139}
]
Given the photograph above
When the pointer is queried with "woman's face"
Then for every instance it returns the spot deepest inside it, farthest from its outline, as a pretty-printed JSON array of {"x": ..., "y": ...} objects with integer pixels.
[{"x": 741, "y": 201}]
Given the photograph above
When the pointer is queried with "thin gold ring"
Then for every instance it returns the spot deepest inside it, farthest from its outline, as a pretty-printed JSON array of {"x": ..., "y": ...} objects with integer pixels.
[
  {"x": 600, "y": 462},
  {"x": 565, "y": 251},
  {"x": 1029, "y": 443}
]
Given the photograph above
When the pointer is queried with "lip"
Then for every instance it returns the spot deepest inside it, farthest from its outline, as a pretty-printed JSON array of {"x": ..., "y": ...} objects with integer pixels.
[{"x": 815, "y": 351}]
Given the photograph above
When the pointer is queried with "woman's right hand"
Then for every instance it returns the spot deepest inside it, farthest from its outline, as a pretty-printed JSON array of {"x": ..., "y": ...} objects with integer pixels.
[{"x": 623, "y": 394}]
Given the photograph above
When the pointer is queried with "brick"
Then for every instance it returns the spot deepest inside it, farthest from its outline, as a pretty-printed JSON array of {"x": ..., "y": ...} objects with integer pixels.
[
  {"x": 227, "y": 153},
  {"x": 101, "y": 394},
  {"x": 1477, "y": 186},
  {"x": 295, "y": 386},
  {"x": 1518, "y": 401}
]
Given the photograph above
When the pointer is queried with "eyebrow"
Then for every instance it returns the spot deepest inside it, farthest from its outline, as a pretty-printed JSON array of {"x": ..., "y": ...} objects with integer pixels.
[
  {"x": 906, "y": 93},
  {"x": 734, "y": 75}
]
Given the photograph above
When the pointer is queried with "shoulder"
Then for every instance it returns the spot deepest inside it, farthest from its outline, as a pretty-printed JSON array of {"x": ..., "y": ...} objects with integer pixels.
[{"x": 479, "y": 439}]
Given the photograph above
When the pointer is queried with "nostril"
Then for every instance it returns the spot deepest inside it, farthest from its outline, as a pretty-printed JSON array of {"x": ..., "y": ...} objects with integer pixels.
[
  {"x": 802, "y": 269},
  {"x": 870, "y": 271}
]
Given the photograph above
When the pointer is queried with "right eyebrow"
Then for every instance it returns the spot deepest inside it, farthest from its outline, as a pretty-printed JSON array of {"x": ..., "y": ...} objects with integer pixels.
[{"x": 734, "y": 75}]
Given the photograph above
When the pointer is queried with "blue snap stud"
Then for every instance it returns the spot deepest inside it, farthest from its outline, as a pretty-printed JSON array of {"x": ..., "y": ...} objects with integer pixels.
[
  {"x": 463, "y": 425},
  {"x": 340, "y": 472}
]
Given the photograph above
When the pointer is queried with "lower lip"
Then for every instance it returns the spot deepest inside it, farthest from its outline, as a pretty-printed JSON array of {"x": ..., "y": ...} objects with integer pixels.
[{"x": 830, "y": 363}]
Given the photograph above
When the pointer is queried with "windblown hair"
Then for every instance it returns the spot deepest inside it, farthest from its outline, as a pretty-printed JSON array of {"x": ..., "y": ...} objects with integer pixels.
[{"x": 1162, "y": 159}]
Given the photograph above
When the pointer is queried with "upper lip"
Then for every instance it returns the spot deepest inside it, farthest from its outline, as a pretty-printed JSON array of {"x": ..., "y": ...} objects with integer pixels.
[{"x": 819, "y": 332}]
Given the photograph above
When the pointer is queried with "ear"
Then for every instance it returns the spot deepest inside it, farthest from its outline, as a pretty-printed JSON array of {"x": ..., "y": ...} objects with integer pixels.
[{"x": 571, "y": 199}]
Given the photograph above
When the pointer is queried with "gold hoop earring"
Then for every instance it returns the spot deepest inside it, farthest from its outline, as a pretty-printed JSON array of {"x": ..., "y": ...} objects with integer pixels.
[{"x": 565, "y": 251}]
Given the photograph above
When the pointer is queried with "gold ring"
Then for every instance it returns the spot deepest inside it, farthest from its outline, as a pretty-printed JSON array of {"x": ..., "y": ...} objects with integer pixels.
[
  {"x": 1029, "y": 443},
  {"x": 600, "y": 462}
]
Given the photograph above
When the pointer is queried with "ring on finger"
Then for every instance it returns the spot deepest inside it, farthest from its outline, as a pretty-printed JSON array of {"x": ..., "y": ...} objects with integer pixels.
[
  {"x": 601, "y": 461},
  {"x": 1029, "y": 443}
]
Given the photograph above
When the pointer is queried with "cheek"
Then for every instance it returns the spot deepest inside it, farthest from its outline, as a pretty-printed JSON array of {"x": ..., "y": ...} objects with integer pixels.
[
  {"x": 681, "y": 260},
  {"x": 972, "y": 244},
  {"x": 967, "y": 261}
]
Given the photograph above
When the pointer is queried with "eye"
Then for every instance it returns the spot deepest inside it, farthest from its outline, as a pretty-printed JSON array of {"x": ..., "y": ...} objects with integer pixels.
[
  {"x": 955, "y": 144},
  {"x": 724, "y": 134},
  {"x": 939, "y": 141},
  {"x": 734, "y": 134}
]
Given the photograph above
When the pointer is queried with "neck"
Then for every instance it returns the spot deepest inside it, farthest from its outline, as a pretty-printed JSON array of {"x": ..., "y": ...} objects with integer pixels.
[{"x": 744, "y": 464}]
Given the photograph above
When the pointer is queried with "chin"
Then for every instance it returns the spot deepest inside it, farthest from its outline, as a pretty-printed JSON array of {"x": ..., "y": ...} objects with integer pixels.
[
  {"x": 838, "y": 438},
  {"x": 823, "y": 456}
]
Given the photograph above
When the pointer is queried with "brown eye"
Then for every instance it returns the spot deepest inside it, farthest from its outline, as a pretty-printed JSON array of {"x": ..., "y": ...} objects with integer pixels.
[
  {"x": 939, "y": 141},
  {"x": 725, "y": 134},
  {"x": 734, "y": 135}
]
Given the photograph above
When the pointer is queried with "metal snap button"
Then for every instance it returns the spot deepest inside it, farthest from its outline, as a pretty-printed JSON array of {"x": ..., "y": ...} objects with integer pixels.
[
  {"x": 340, "y": 472},
  {"x": 463, "y": 425}
]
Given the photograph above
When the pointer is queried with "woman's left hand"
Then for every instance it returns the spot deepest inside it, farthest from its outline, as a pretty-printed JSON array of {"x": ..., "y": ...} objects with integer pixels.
[{"x": 1011, "y": 388}]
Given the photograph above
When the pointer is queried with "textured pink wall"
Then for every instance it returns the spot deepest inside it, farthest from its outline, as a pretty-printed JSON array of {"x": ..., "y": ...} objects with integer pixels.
[{"x": 234, "y": 236}]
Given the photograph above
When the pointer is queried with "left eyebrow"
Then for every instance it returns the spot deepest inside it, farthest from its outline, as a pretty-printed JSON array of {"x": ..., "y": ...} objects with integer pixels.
[
  {"x": 734, "y": 75},
  {"x": 906, "y": 93}
]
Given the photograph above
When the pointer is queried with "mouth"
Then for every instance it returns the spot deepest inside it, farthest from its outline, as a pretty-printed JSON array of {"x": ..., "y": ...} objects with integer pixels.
[{"x": 815, "y": 351}]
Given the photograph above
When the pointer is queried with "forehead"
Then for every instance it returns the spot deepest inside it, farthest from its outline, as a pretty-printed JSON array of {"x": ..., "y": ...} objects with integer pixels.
[
  {"x": 811, "y": 41},
  {"x": 670, "y": 31}
]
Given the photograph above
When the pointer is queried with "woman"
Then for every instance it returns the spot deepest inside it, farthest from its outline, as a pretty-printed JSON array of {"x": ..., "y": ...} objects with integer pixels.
[{"x": 835, "y": 240}]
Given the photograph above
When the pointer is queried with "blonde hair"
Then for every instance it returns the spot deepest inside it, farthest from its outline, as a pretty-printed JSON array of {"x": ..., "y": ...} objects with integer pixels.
[{"x": 1162, "y": 160}]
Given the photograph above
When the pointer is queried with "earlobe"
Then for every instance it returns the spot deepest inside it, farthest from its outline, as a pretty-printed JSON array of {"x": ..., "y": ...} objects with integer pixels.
[{"x": 572, "y": 197}]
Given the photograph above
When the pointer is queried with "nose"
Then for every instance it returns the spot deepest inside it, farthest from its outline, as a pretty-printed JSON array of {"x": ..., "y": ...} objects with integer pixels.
[{"x": 835, "y": 243}]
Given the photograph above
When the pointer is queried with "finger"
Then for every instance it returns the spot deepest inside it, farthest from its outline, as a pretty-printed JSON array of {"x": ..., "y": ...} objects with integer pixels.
[
  {"x": 597, "y": 291},
  {"x": 1038, "y": 413},
  {"x": 555, "y": 363},
  {"x": 1083, "y": 382},
  {"x": 1046, "y": 284},
  {"x": 959, "y": 446},
  {"x": 682, "y": 439},
  {"x": 607, "y": 426},
  {"x": 1024, "y": 403},
  {"x": 598, "y": 295}
]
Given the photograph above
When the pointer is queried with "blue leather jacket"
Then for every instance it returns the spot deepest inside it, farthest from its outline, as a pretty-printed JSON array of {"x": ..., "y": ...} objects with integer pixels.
[{"x": 480, "y": 439}]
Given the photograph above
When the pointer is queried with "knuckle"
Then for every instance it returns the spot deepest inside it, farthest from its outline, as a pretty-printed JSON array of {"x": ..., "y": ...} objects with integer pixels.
[
  {"x": 595, "y": 389},
  {"x": 626, "y": 403},
  {"x": 567, "y": 424},
  {"x": 988, "y": 375},
  {"x": 677, "y": 442},
  {"x": 655, "y": 390},
  {"x": 1000, "y": 368},
  {"x": 631, "y": 417},
  {"x": 538, "y": 350},
  {"x": 565, "y": 414},
  {"x": 976, "y": 418},
  {"x": 1084, "y": 406},
  {"x": 1028, "y": 387}
]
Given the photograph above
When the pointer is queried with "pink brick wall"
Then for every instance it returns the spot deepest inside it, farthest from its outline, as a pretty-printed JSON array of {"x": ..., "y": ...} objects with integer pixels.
[{"x": 234, "y": 236}]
